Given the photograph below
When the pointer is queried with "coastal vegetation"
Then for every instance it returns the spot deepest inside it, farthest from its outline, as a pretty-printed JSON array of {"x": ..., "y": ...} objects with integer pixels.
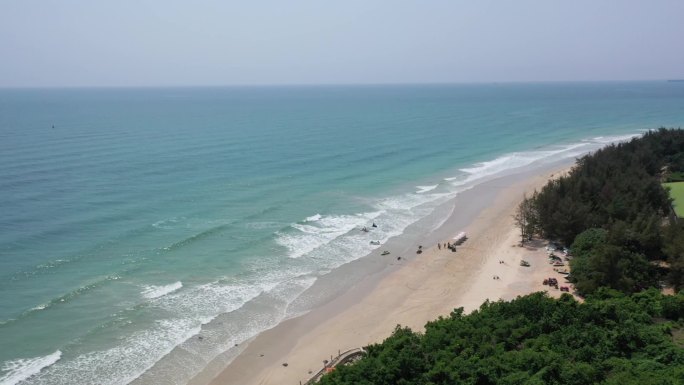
[
  {"x": 612, "y": 338},
  {"x": 614, "y": 211}
]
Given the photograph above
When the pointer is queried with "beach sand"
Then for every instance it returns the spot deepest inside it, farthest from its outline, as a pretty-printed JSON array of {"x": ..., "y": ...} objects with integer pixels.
[{"x": 411, "y": 293}]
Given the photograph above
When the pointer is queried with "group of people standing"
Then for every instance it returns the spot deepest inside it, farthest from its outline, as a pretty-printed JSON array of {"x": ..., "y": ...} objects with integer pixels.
[{"x": 447, "y": 245}]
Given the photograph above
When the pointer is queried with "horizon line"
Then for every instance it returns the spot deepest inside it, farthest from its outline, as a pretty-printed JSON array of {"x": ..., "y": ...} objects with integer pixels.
[{"x": 275, "y": 85}]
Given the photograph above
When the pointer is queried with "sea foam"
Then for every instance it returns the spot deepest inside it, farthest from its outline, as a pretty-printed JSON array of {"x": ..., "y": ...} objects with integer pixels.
[
  {"x": 19, "y": 370},
  {"x": 124, "y": 362},
  {"x": 514, "y": 160},
  {"x": 303, "y": 238},
  {"x": 132, "y": 356},
  {"x": 152, "y": 292},
  {"x": 313, "y": 218},
  {"x": 424, "y": 189}
]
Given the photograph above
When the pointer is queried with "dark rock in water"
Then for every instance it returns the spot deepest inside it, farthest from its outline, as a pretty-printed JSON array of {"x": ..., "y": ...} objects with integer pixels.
[{"x": 284, "y": 363}]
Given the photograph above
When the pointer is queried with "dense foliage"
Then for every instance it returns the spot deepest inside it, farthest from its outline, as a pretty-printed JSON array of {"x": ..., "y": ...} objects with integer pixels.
[
  {"x": 619, "y": 184},
  {"x": 610, "y": 339},
  {"x": 619, "y": 191}
]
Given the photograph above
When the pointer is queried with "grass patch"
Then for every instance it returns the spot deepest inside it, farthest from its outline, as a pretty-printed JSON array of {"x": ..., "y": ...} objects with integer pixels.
[{"x": 677, "y": 194}]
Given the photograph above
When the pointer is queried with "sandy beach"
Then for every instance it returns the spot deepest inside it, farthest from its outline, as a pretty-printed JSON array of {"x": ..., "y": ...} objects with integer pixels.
[{"x": 410, "y": 293}]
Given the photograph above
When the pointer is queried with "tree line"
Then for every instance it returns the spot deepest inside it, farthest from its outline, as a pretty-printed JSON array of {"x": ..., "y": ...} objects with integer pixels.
[
  {"x": 610, "y": 339},
  {"x": 614, "y": 212}
]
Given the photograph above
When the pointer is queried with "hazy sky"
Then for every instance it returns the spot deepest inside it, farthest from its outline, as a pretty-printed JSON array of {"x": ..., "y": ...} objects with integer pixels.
[{"x": 223, "y": 42}]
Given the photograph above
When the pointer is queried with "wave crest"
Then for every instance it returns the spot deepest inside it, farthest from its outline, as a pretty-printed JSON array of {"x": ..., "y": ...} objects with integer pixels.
[
  {"x": 152, "y": 292},
  {"x": 16, "y": 371},
  {"x": 424, "y": 189}
]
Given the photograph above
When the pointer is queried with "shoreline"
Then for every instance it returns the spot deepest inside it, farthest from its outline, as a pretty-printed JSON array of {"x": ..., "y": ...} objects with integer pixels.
[{"x": 409, "y": 292}]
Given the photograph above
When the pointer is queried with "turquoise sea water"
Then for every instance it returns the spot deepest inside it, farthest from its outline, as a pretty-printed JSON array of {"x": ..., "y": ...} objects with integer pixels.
[{"x": 134, "y": 220}]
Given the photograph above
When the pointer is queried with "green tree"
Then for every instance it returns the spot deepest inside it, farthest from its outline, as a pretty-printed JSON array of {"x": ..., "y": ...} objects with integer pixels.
[{"x": 525, "y": 219}]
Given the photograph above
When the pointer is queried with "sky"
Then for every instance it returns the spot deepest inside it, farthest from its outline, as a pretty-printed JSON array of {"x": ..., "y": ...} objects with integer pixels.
[{"x": 83, "y": 43}]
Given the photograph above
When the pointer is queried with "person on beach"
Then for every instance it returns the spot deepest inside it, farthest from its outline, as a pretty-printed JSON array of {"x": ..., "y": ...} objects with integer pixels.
[{"x": 439, "y": 246}]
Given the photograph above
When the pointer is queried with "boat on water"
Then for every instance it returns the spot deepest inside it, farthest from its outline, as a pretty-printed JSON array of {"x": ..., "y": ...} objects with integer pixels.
[
  {"x": 385, "y": 252},
  {"x": 374, "y": 242}
]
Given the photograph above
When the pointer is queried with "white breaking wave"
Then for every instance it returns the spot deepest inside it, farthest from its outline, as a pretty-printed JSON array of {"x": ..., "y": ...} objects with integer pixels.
[
  {"x": 19, "y": 370},
  {"x": 424, "y": 189},
  {"x": 123, "y": 363},
  {"x": 282, "y": 287},
  {"x": 152, "y": 292},
  {"x": 140, "y": 351},
  {"x": 407, "y": 201},
  {"x": 309, "y": 237},
  {"x": 205, "y": 302},
  {"x": 520, "y": 159},
  {"x": 516, "y": 160},
  {"x": 208, "y": 300},
  {"x": 313, "y": 218},
  {"x": 613, "y": 139}
]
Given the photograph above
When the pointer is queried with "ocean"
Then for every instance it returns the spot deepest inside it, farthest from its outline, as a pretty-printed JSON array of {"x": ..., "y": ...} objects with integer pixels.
[{"x": 144, "y": 232}]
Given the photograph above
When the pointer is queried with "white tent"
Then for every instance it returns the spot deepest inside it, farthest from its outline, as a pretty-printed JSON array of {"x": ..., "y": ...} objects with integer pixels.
[{"x": 460, "y": 237}]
